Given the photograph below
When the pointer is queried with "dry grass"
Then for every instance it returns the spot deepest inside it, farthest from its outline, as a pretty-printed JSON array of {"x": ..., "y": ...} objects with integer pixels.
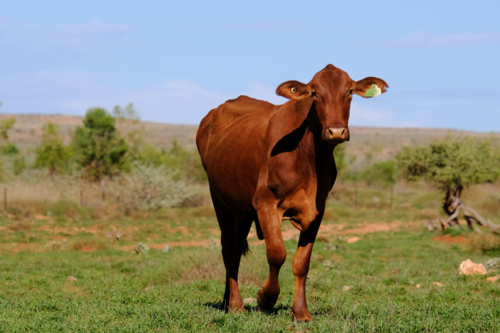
[
  {"x": 89, "y": 245},
  {"x": 35, "y": 193},
  {"x": 483, "y": 242}
]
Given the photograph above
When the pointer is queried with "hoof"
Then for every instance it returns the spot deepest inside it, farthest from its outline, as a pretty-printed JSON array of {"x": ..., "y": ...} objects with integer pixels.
[
  {"x": 237, "y": 309},
  {"x": 304, "y": 317},
  {"x": 265, "y": 303},
  {"x": 234, "y": 307}
]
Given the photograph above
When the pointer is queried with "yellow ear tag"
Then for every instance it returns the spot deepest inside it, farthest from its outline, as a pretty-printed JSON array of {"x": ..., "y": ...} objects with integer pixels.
[{"x": 373, "y": 91}]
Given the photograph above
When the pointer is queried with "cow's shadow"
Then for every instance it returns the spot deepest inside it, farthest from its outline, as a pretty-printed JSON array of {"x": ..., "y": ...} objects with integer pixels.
[{"x": 249, "y": 308}]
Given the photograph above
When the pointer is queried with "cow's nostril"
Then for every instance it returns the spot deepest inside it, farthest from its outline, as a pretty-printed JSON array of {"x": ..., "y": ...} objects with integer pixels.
[
  {"x": 331, "y": 131},
  {"x": 343, "y": 131}
]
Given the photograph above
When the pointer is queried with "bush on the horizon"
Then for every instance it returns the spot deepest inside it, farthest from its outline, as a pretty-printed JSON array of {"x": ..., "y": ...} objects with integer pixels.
[
  {"x": 52, "y": 153},
  {"x": 99, "y": 149}
]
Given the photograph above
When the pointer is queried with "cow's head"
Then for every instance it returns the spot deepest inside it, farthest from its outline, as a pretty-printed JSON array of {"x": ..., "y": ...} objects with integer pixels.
[{"x": 332, "y": 90}]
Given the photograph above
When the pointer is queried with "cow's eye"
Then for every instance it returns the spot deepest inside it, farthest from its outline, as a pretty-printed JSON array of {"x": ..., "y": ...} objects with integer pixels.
[{"x": 293, "y": 90}]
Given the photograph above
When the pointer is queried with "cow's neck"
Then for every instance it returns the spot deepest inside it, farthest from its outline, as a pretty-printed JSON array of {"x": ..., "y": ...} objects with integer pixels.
[
  {"x": 318, "y": 153},
  {"x": 323, "y": 150}
]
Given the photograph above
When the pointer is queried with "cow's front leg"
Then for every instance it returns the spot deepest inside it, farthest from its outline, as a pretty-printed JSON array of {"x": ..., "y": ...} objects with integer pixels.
[
  {"x": 270, "y": 222},
  {"x": 301, "y": 268}
]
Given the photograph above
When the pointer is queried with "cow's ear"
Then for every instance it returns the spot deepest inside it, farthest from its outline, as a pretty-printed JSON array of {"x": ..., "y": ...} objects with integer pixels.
[
  {"x": 294, "y": 90},
  {"x": 370, "y": 87}
]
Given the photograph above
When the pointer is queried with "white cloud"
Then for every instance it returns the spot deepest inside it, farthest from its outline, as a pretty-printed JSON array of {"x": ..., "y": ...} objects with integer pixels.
[
  {"x": 266, "y": 26},
  {"x": 423, "y": 39},
  {"x": 33, "y": 45}
]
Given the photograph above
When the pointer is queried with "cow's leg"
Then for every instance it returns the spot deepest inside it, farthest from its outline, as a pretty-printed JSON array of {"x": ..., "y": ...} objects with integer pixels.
[
  {"x": 233, "y": 245},
  {"x": 301, "y": 268},
  {"x": 270, "y": 223}
]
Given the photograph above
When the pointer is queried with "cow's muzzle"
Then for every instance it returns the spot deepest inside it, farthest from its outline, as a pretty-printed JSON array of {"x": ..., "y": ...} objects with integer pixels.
[{"x": 336, "y": 134}]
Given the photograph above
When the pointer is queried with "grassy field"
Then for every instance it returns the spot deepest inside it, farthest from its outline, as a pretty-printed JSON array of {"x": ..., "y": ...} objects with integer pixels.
[{"x": 390, "y": 272}]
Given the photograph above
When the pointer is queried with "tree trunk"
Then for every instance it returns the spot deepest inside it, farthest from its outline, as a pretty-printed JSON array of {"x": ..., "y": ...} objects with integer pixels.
[{"x": 470, "y": 214}]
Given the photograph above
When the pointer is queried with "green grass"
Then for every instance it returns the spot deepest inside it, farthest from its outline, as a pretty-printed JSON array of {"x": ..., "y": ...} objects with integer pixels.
[{"x": 181, "y": 291}]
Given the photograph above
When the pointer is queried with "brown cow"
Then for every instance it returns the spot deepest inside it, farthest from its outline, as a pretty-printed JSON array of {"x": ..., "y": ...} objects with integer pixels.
[{"x": 268, "y": 163}]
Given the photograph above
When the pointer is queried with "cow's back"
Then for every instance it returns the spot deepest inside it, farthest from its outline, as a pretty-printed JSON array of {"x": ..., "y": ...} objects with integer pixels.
[{"x": 231, "y": 140}]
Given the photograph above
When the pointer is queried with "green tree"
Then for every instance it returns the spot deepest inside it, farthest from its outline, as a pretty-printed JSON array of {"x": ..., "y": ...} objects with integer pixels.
[
  {"x": 126, "y": 113},
  {"x": 52, "y": 153},
  {"x": 452, "y": 163},
  {"x": 99, "y": 149}
]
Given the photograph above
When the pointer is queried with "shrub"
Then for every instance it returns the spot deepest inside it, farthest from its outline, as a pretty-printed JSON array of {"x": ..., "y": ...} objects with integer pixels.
[
  {"x": 482, "y": 242},
  {"x": 52, "y": 153},
  {"x": 150, "y": 188},
  {"x": 188, "y": 163},
  {"x": 381, "y": 174},
  {"x": 67, "y": 208},
  {"x": 19, "y": 165},
  {"x": 9, "y": 149}
]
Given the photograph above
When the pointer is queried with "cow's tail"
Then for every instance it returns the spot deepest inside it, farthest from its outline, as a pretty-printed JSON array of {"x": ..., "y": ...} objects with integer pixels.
[{"x": 245, "y": 249}]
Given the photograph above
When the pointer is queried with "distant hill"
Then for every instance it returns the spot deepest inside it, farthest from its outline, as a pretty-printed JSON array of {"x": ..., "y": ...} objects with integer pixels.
[{"x": 367, "y": 143}]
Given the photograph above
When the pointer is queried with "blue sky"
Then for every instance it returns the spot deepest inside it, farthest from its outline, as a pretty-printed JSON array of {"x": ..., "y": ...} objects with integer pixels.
[{"x": 177, "y": 60}]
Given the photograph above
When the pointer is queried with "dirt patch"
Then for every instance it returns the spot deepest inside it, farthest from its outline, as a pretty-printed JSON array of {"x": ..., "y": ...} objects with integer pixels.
[
  {"x": 97, "y": 227},
  {"x": 326, "y": 230},
  {"x": 370, "y": 228},
  {"x": 20, "y": 247},
  {"x": 88, "y": 248},
  {"x": 447, "y": 239},
  {"x": 18, "y": 226},
  {"x": 161, "y": 246}
]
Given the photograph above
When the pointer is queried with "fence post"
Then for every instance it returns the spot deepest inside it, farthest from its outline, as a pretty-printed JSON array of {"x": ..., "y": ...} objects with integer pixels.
[
  {"x": 81, "y": 197},
  {"x": 355, "y": 195},
  {"x": 392, "y": 193},
  {"x": 5, "y": 198}
]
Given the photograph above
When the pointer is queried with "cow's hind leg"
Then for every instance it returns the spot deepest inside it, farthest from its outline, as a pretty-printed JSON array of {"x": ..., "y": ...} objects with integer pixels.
[{"x": 234, "y": 231}]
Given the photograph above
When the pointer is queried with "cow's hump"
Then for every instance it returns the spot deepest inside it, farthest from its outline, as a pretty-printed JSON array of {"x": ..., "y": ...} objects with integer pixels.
[{"x": 244, "y": 105}]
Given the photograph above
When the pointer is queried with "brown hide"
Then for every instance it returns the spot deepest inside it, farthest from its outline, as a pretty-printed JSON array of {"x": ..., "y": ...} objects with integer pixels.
[{"x": 266, "y": 163}]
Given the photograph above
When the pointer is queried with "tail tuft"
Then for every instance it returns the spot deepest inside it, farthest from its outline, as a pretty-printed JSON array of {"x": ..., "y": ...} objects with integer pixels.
[{"x": 245, "y": 248}]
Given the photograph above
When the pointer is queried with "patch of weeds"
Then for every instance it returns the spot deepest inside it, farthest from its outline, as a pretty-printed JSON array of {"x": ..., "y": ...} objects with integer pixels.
[
  {"x": 452, "y": 231},
  {"x": 67, "y": 208}
]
